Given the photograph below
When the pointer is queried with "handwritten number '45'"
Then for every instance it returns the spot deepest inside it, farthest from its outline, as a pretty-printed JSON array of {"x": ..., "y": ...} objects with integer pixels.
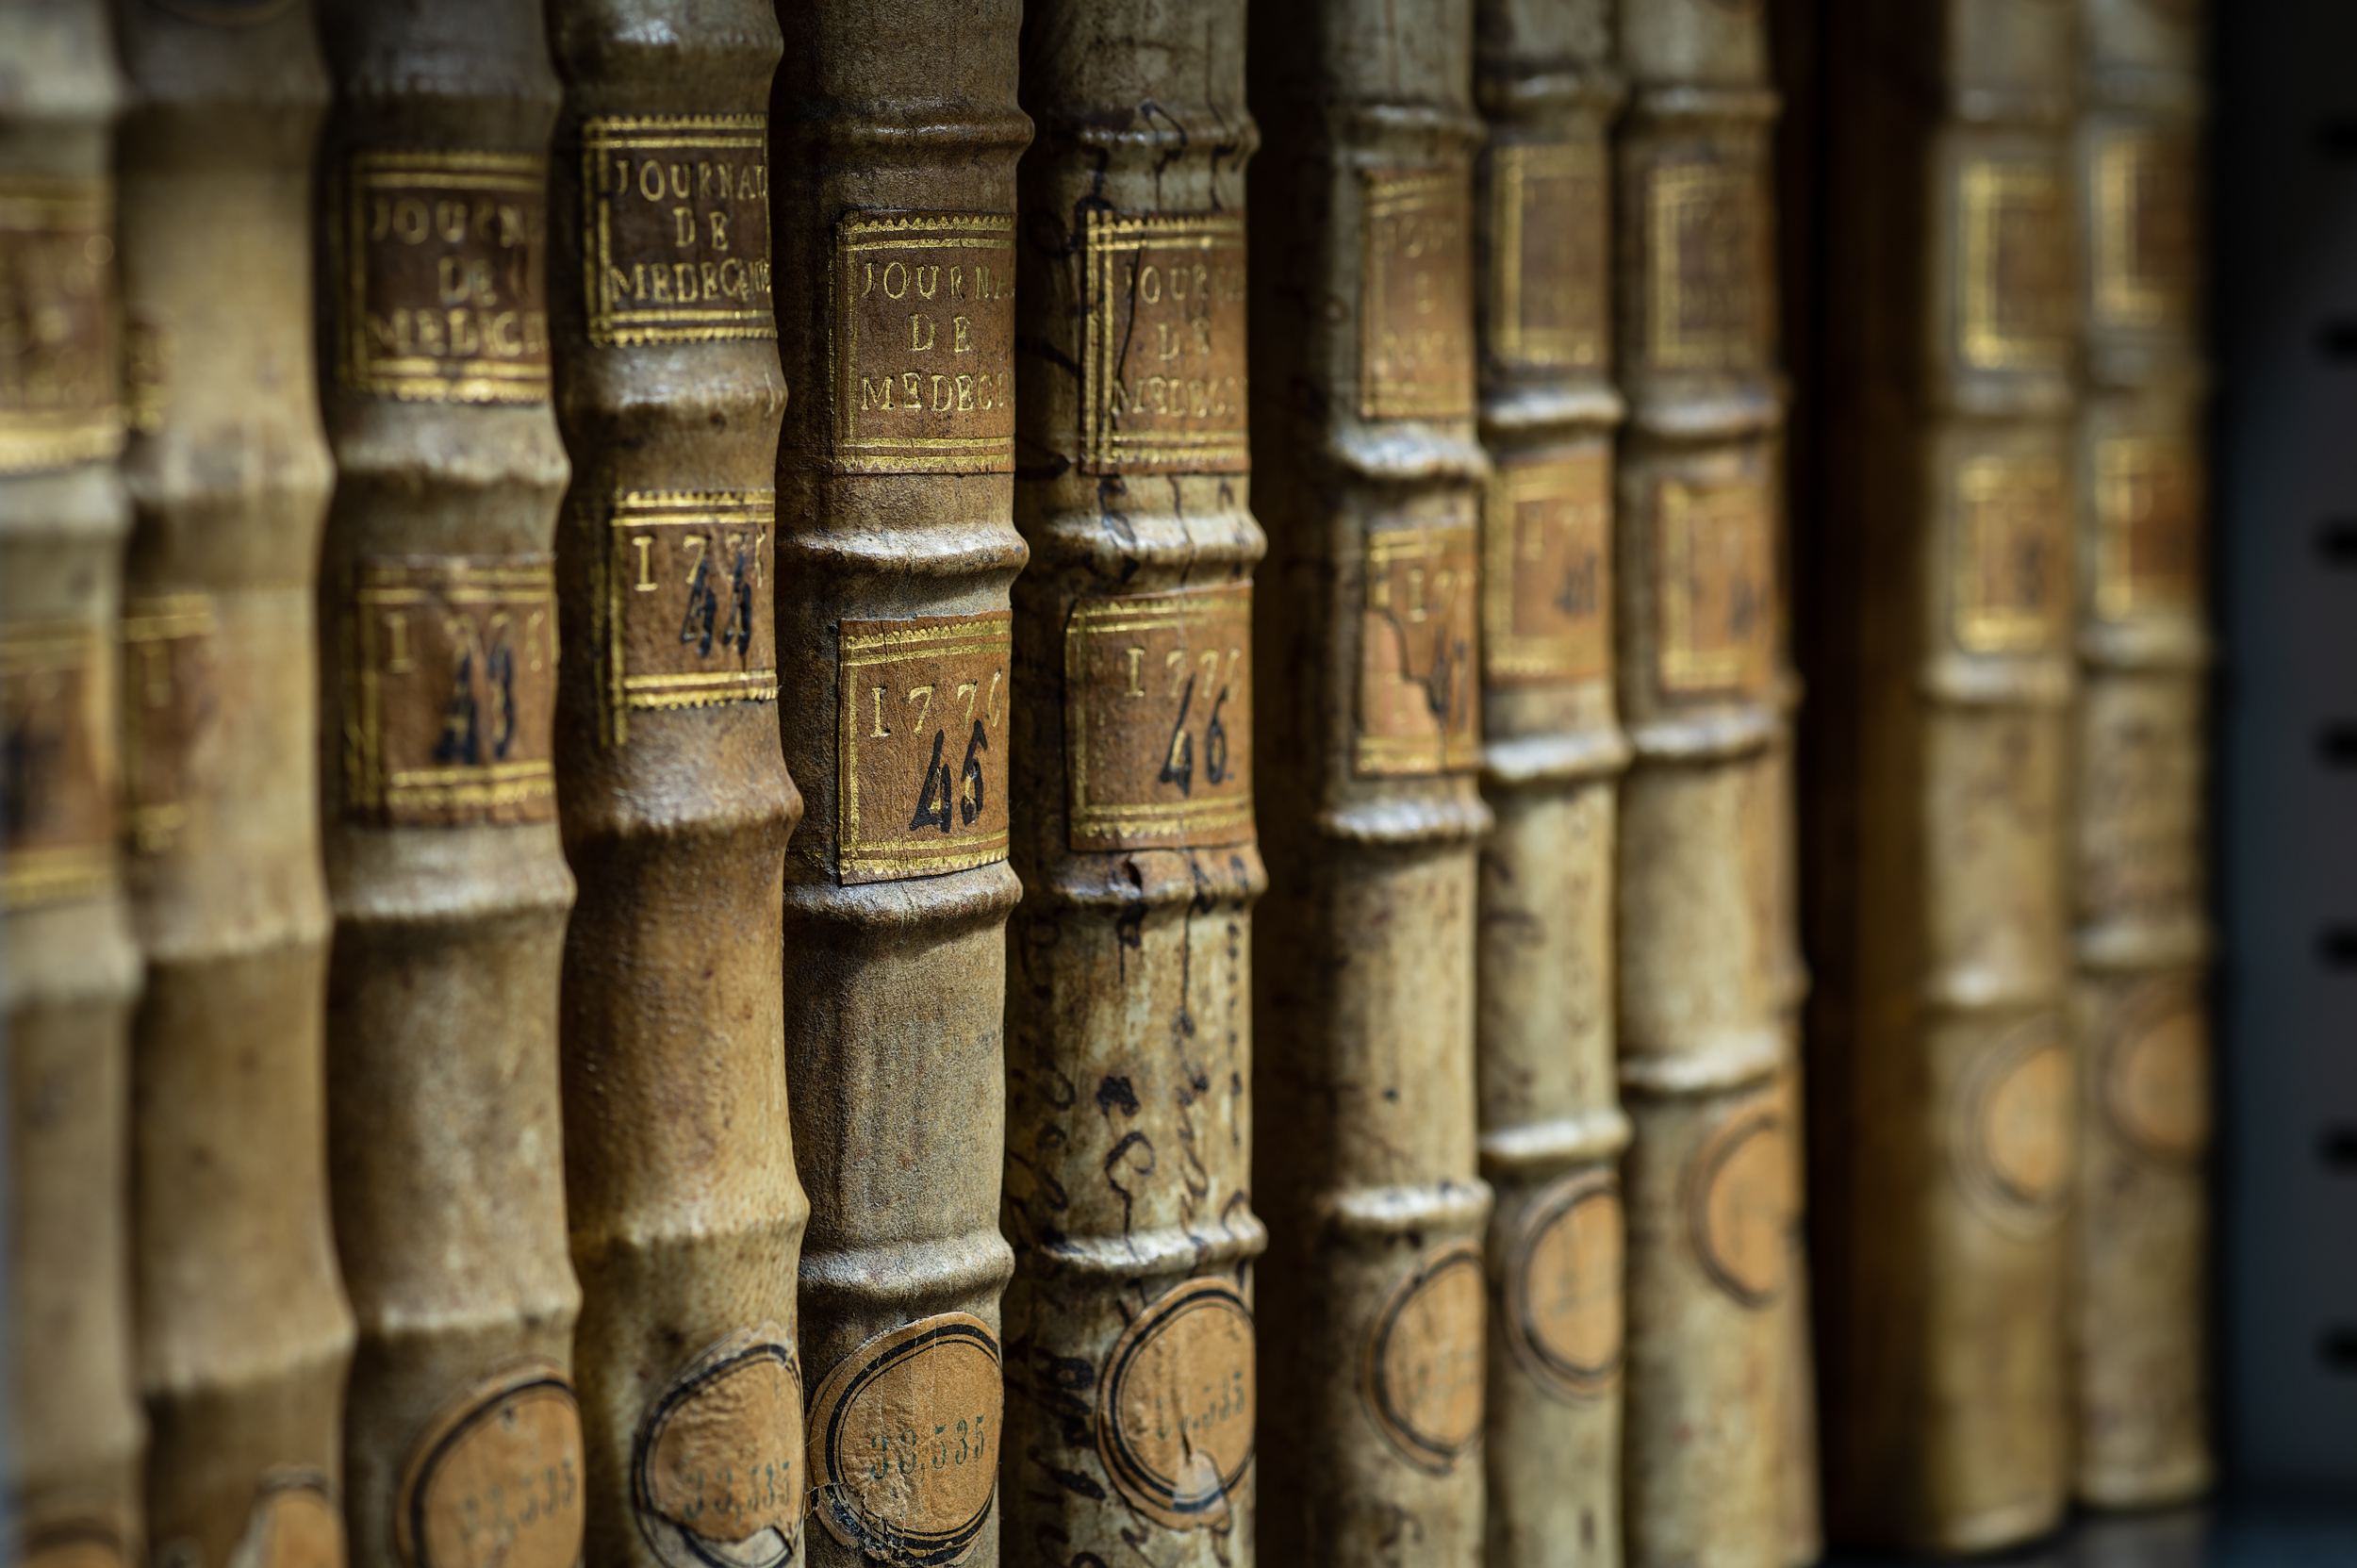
[{"x": 939, "y": 789}]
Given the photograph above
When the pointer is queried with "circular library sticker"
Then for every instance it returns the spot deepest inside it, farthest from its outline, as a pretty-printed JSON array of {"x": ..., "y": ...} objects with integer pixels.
[
  {"x": 1425, "y": 1360},
  {"x": 1740, "y": 1203},
  {"x": 904, "y": 1442},
  {"x": 1174, "y": 1409},
  {"x": 296, "y": 1523},
  {"x": 2154, "y": 1073},
  {"x": 2011, "y": 1128},
  {"x": 1563, "y": 1285},
  {"x": 495, "y": 1482},
  {"x": 717, "y": 1472}
]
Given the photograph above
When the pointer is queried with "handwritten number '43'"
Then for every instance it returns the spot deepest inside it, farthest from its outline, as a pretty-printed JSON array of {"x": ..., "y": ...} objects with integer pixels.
[{"x": 939, "y": 790}]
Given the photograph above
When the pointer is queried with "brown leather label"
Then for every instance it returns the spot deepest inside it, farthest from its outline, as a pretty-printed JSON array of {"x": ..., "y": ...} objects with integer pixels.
[
  {"x": 1419, "y": 688},
  {"x": 90, "y": 1545},
  {"x": 1166, "y": 390},
  {"x": 2011, "y": 583},
  {"x": 2015, "y": 271},
  {"x": 1717, "y": 587},
  {"x": 1740, "y": 1203},
  {"x": 924, "y": 343},
  {"x": 2147, "y": 507},
  {"x": 1548, "y": 221},
  {"x": 2145, "y": 243},
  {"x": 904, "y": 1442},
  {"x": 296, "y": 1523},
  {"x": 450, "y": 713},
  {"x": 2152, "y": 1073},
  {"x": 717, "y": 1470},
  {"x": 676, "y": 227},
  {"x": 2010, "y": 1129},
  {"x": 1547, "y": 571},
  {"x": 1178, "y": 1403},
  {"x": 444, "y": 292},
  {"x": 689, "y": 618},
  {"x": 1564, "y": 1318},
  {"x": 171, "y": 699},
  {"x": 57, "y": 357},
  {"x": 923, "y": 760},
  {"x": 1158, "y": 719},
  {"x": 1707, "y": 254},
  {"x": 496, "y": 1481},
  {"x": 1415, "y": 296},
  {"x": 1425, "y": 1360},
  {"x": 57, "y": 763}
]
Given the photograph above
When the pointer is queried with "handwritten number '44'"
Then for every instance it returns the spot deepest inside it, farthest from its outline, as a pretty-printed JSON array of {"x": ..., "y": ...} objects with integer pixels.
[{"x": 933, "y": 799}]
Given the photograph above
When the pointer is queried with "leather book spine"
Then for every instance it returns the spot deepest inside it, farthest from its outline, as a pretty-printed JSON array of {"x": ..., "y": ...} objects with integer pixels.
[
  {"x": 68, "y": 963},
  {"x": 245, "y": 1336},
  {"x": 1552, "y": 1128},
  {"x": 439, "y": 646},
  {"x": 1709, "y": 1167},
  {"x": 685, "y": 1208},
  {"x": 1368, "y": 734},
  {"x": 1131, "y": 1374},
  {"x": 896, "y": 134},
  {"x": 2138, "y": 1008},
  {"x": 1945, "y": 1100}
]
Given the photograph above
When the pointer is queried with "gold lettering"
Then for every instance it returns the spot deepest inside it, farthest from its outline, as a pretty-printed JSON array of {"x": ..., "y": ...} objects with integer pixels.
[
  {"x": 684, "y": 226},
  {"x": 881, "y": 731},
  {"x": 501, "y": 333},
  {"x": 651, "y": 180},
  {"x": 943, "y": 401},
  {"x": 968, "y": 689},
  {"x": 679, "y": 181},
  {"x": 913, "y": 389},
  {"x": 961, "y": 338},
  {"x": 925, "y": 707},
  {"x": 923, "y": 332},
  {"x": 646, "y": 583},
  {"x": 683, "y": 281},
  {"x": 1150, "y": 285},
  {"x": 876, "y": 393},
  {"x": 397, "y": 659},
  {"x": 890, "y": 267},
  {"x": 965, "y": 394},
  {"x": 720, "y": 221},
  {"x": 1137, "y": 656},
  {"x": 926, "y": 289},
  {"x": 990, "y": 709}
]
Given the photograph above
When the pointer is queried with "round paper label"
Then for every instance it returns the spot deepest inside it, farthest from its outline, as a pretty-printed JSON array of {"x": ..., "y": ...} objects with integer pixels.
[
  {"x": 1425, "y": 1360},
  {"x": 904, "y": 1442},
  {"x": 495, "y": 1482},
  {"x": 1563, "y": 1285},
  {"x": 295, "y": 1524},
  {"x": 2012, "y": 1132},
  {"x": 716, "y": 1475},
  {"x": 1175, "y": 1408},
  {"x": 2155, "y": 1075},
  {"x": 74, "y": 1546},
  {"x": 1740, "y": 1203}
]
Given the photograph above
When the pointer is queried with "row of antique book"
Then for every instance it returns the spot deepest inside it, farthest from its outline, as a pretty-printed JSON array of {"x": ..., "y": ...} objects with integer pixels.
[{"x": 756, "y": 812}]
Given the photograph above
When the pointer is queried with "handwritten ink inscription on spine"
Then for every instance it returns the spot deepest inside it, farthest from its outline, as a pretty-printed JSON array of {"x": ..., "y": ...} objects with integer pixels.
[
  {"x": 677, "y": 230},
  {"x": 1717, "y": 632},
  {"x": 57, "y": 398},
  {"x": 1546, "y": 572},
  {"x": 1158, "y": 717},
  {"x": 444, "y": 291},
  {"x": 57, "y": 762},
  {"x": 923, "y": 757},
  {"x": 1418, "y": 685},
  {"x": 688, "y": 615},
  {"x": 923, "y": 344},
  {"x": 1165, "y": 360},
  {"x": 454, "y": 668}
]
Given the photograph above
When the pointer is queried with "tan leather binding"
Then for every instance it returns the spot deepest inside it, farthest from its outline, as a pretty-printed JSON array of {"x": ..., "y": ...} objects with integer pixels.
[
  {"x": 2137, "y": 1006},
  {"x": 1552, "y": 1129},
  {"x": 1944, "y": 1110},
  {"x": 1368, "y": 735},
  {"x": 1131, "y": 1365},
  {"x": 244, "y": 1334},
  {"x": 440, "y": 662},
  {"x": 686, "y": 1212},
  {"x": 1708, "y": 1172},
  {"x": 68, "y": 968},
  {"x": 895, "y": 497}
]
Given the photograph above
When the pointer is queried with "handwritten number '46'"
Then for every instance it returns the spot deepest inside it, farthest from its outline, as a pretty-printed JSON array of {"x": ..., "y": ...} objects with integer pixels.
[{"x": 939, "y": 789}]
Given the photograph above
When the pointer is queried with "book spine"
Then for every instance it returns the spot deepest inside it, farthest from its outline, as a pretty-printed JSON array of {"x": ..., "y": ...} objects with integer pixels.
[
  {"x": 1369, "y": 738},
  {"x": 686, "y": 1212},
  {"x": 1709, "y": 1168},
  {"x": 437, "y": 607},
  {"x": 897, "y": 133},
  {"x": 1952, "y": 360},
  {"x": 244, "y": 1335},
  {"x": 2137, "y": 1002},
  {"x": 1552, "y": 1128},
  {"x": 69, "y": 964},
  {"x": 1131, "y": 1374}
]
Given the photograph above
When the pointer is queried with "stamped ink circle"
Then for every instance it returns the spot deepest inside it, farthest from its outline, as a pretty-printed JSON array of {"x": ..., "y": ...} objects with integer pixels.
[
  {"x": 1425, "y": 1360},
  {"x": 716, "y": 1471},
  {"x": 1563, "y": 1273},
  {"x": 2011, "y": 1128},
  {"x": 2153, "y": 1074},
  {"x": 496, "y": 1481},
  {"x": 1740, "y": 1203},
  {"x": 1175, "y": 1409},
  {"x": 904, "y": 1442}
]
